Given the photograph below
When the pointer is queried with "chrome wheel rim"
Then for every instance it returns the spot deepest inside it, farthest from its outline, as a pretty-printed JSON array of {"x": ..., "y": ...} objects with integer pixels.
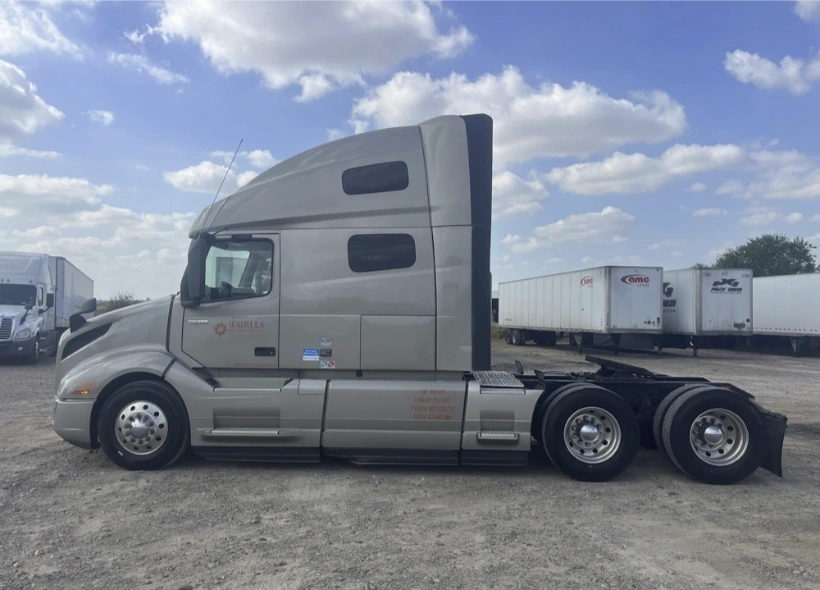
[
  {"x": 592, "y": 435},
  {"x": 719, "y": 437},
  {"x": 141, "y": 428}
]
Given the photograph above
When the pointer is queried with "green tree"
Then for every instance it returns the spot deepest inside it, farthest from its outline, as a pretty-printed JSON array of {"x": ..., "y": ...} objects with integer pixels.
[
  {"x": 700, "y": 265},
  {"x": 770, "y": 255},
  {"x": 118, "y": 300}
]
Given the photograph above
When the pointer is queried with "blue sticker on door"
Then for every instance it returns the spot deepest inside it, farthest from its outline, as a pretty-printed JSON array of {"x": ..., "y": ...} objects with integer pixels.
[{"x": 310, "y": 354}]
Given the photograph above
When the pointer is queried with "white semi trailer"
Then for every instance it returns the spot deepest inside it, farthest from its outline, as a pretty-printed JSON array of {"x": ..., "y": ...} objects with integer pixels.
[
  {"x": 595, "y": 306},
  {"x": 38, "y": 294},
  {"x": 701, "y": 305},
  {"x": 353, "y": 321},
  {"x": 788, "y": 306}
]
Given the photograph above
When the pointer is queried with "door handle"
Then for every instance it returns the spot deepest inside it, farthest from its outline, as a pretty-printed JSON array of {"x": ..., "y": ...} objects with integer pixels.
[{"x": 260, "y": 351}]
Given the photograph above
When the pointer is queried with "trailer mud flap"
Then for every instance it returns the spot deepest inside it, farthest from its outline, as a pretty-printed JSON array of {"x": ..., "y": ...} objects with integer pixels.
[{"x": 775, "y": 426}]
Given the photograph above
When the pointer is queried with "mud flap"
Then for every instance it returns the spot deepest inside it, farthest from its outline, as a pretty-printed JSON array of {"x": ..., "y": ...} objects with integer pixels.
[{"x": 775, "y": 426}]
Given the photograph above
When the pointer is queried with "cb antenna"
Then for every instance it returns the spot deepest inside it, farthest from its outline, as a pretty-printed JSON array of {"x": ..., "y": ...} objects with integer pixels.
[{"x": 199, "y": 235}]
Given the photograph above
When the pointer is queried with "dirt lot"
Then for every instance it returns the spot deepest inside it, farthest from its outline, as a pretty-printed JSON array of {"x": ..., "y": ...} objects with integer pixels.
[{"x": 69, "y": 519}]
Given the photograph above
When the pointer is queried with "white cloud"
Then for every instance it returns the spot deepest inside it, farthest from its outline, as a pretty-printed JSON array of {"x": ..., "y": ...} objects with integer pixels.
[
  {"x": 732, "y": 186},
  {"x": 7, "y": 150},
  {"x": 529, "y": 122},
  {"x": 319, "y": 47},
  {"x": 586, "y": 259},
  {"x": 512, "y": 195},
  {"x": 785, "y": 175},
  {"x": 33, "y": 196},
  {"x": 676, "y": 254},
  {"x": 808, "y": 10},
  {"x": 793, "y": 74},
  {"x": 104, "y": 117},
  {"x": 143, "y": 65},
  {"x": 604, "y": 227},
  {"x": 793, "y": 218},
  {"x": 757, "y": 216},
  {"x": 665, "y": 244},
  {"x": 261, "y": 159},
  {"x": 22, "y": 111},
  {"x": 709, "y": 212},
  {"x": 244, "y": 178},
  {"x": 334, "y": 134},
  {"x": 816, "y": 218},
  {"x": 553, "y": 260},
  {"x": 634, "y": 173},
  {"x": 698, "y": 187},
  {"x": 26, "y": 28},
  {"x": 204, "y": 177},
  {"x": 257, "y": 158}
]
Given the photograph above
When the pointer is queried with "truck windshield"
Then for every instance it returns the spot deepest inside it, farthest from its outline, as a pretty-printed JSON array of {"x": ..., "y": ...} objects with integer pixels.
[{"x": 17, "y": 294}]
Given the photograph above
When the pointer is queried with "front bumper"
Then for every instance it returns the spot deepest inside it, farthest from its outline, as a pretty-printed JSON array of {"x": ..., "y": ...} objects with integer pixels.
[
  {"x": 71, "y": 419},
  {"x": 16, "y": 348}
]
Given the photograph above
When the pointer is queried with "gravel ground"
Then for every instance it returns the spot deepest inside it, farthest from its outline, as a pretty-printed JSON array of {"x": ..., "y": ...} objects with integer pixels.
[{"x": 70, "y": 519}]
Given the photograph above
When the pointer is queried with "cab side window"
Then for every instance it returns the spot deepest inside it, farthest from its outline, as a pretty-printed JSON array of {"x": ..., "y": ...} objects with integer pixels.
[{"x": 238, "y": 269}]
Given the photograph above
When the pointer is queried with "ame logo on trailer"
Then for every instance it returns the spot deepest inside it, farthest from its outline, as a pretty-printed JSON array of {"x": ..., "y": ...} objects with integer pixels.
[
  {"x": 727, "y": 285},
  {"x": 586, "y": 282},
  {"x": 639, "y": 280}
]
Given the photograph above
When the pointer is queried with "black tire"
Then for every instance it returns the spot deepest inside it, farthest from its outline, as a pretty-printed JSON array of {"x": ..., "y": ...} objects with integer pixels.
[
  {"x": 677, "y": 427},
  {"x": 175, "y": 440},
  {"x": 573, "y": 341},
  {"x": 561, "y": 409},
  {"x": 517, "y": 338},
  {"x": 35, "y": 355},
  {"x": 663, "y": 407},
  {"x": 507, "y": 336}
]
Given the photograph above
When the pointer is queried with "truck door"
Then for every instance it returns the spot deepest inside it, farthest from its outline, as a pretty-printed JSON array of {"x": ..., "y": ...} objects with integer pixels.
[{"x": 237, "y": 324}]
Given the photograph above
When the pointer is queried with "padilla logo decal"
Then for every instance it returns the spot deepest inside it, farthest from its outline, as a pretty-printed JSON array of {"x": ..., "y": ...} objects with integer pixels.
[
  {"x": 220, "y": 329},
  {"x": 668, "y": 289},
  {"x": 726, "y": 286},
  {"x": 586, "y": 282},
  {"x": 639, "y": 280}
]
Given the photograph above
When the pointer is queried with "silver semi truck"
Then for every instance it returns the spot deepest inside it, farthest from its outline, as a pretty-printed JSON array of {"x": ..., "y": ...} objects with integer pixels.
[{"x": 337, "y": 306}]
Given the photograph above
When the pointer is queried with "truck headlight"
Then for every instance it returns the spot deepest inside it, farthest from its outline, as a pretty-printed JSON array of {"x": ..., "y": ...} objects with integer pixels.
[{"x": 23, "y": 334}]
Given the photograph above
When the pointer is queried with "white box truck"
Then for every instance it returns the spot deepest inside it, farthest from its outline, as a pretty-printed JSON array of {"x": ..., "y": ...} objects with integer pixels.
[
  {"x": 787, "y": 306},
  {"x": 700, "y": 306},
  {"x": 596, "y": 306},
  {"x": 38, "y": 294}
]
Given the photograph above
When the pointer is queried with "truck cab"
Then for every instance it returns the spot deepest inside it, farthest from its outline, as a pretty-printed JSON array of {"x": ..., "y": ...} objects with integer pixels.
[
  {"x": 26, "y": 306},
  {"x": 339, "y": 304}
]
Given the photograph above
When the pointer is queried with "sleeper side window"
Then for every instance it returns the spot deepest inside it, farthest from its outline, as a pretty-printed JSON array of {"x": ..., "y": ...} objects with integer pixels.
[
  {"x": 375, "y": 252},
  {"x": 237, "y": 269},
  {"x": 376, "y": 178}
]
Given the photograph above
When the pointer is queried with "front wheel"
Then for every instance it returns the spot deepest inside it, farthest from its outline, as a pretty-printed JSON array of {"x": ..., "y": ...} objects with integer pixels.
[
  {"x": 590, "y": 433},
  {"x": 714, "y": 435},
  {"x": 143, "y": 426},
  {"x": 34, "y": 357}
]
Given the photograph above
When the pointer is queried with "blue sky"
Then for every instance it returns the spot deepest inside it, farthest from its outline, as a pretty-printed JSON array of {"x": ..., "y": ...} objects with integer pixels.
[{"x": 626, "y": 132}]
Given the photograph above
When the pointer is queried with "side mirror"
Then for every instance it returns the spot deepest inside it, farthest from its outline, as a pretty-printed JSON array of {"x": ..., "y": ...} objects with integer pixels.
[
  {"x": 29, "y": 306},
  {"x": 49, "y": 300},
  {"x": 76, "y": 320},
  {"x": 192, "y": 289}
]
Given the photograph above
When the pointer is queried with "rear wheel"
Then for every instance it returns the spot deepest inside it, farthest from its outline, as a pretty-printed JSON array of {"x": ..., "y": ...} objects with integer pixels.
[
  {"x": 663, "y": 407},
  {"x": 590, "y": 433},
  {"x": 507, "y": 336},
  {"x": 714, "y": 435},
  {"x": 144, "y": 426}
]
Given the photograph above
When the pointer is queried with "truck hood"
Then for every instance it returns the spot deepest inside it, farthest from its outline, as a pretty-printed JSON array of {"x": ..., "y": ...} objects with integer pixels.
[
  {"x": 12, "y": 311},
  {"x": 146, "y": 307}
]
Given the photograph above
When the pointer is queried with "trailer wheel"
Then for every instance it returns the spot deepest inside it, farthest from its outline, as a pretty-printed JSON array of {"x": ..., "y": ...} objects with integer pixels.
[
  {"x": 663, "y": 407},
  {"x": 590, "y": 433},
  {"x": 507, "y": 336},
  {"x": 714, "y": 435},
  {"x": 517, "y": 338},
  {"x": 143, "y": 426}
]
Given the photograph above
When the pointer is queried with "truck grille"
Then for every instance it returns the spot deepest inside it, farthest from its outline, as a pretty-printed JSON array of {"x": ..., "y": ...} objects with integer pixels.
[{"x": 5, "y": 329}]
